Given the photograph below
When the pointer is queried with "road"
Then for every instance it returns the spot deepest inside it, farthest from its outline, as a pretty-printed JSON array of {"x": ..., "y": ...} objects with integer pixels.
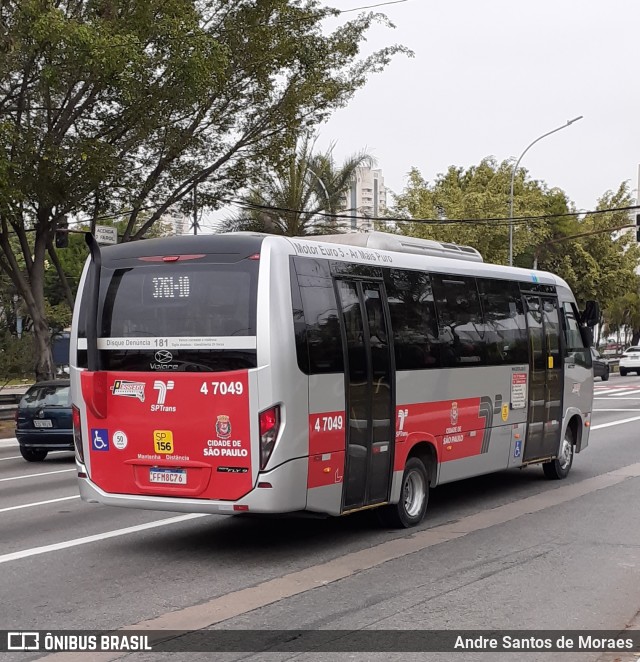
[{"x": 508, "y": 551}]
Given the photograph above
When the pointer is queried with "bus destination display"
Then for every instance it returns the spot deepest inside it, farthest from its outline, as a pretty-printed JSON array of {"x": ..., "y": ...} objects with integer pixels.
[{"x": 168, "y": 288}]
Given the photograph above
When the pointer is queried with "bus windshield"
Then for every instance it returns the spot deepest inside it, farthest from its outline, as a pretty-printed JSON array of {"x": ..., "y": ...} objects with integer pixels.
[{"x": 197, "y": 316}]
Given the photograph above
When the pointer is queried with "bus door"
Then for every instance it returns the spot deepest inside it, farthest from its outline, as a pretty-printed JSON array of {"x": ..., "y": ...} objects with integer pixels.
[
  {"x": 544, "y": 421},
  {"x": 369, "y": 392}
]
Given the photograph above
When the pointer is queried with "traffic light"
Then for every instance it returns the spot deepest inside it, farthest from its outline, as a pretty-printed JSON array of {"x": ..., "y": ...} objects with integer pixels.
[
  {"x": 62, "y": 233},
  {"x": 638, "y": 228}
]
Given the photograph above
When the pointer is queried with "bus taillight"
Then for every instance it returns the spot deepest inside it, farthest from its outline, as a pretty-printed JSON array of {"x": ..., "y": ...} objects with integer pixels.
[
  {"x": 77, "y": 434},
  {"x": 269, "y": 426}
]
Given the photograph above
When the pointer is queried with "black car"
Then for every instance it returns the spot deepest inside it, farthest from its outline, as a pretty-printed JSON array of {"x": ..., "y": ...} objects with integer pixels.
[
  {"x": 600, "y": 365},
  {"x": 44, "y": 421}
]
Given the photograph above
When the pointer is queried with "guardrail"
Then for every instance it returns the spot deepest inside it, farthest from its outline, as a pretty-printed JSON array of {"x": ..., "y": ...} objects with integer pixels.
[{"x": 8, "y": 405}]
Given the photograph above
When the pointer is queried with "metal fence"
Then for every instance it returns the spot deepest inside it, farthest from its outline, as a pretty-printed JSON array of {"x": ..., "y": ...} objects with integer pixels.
[{"x": 8, "y": 405}]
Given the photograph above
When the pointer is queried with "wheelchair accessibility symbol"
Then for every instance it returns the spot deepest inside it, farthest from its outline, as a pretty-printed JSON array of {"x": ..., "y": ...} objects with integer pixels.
[{"x": 100, "y": 439}]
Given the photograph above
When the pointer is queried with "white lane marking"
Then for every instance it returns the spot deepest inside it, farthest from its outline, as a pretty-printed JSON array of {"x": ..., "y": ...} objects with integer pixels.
[
  {"x": 620, "y": 422},
  {"x": 38, "y": 503},
  {"x": 17, "y": 457},
  {"x": 14, "y": 556},
  {"x": 46, "y": 473},
  {"x": 12, "y": 441},
  {"x": 611, "y": 389},
  {"x": 616, "y": 397}
]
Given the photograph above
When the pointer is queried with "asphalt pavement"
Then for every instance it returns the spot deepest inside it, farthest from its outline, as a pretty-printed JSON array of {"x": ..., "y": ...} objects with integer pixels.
[{"x": 507, "y": 551}]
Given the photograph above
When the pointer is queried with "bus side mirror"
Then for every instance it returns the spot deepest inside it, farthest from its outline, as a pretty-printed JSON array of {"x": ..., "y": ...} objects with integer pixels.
[
  {"x": 591, "y": 314},
  {"x": 587, "y": 335}
]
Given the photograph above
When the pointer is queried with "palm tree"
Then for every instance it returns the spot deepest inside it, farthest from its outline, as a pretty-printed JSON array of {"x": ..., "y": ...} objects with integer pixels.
[{"x": 299, "y": 196}]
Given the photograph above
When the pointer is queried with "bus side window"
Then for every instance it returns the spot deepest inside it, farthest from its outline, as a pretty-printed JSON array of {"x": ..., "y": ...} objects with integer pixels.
[
  {"x": 299, "y": 325},
  {"x": 460, "y": 325},
  {"x": 413, "y": 319},
  {"x": 504, "y": 322},
  {"x": 574, "y": 346},
  {"x": 320, "y": 308}
]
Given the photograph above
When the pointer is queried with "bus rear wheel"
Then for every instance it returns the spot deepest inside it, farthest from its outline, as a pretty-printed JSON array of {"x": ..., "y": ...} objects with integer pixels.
[
  {"x": 560, "y": 467},
  {"x": 414, "y": 498}
]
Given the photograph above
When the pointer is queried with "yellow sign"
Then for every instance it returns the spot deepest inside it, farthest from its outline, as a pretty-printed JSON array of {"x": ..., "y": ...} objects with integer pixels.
[
  {"x": 550, "y": 362},
  {"x": 163, "y": 441},
  {"x": 505, "y": 412}
]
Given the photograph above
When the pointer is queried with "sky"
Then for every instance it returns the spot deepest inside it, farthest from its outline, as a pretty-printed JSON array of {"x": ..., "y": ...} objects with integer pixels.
[{"x": 488, "y": 78}]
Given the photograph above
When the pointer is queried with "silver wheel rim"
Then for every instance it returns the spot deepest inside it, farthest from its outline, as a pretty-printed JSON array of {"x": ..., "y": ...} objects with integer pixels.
[
  {"x": 566, "y": 453},
  {"x": 414, "y": 493}
]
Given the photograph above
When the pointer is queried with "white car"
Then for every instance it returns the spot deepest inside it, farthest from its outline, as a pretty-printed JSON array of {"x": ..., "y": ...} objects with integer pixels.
[{"x": 630, "y": 361}]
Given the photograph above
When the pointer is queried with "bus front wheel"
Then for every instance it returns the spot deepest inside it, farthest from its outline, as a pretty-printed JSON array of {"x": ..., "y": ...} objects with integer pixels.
[
  {"x": 414, "y": 497},
  {"x": 560, "y": 467}
]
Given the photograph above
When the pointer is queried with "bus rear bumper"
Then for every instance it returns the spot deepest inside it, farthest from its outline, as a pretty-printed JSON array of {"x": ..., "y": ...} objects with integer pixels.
[{"x": 288, "y": 493}]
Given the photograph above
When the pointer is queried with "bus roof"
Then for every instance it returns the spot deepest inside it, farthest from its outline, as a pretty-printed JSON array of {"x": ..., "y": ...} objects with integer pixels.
[
  {"x": 403, "y": 244},
  {"x": 243, "y": 244},
  {"x": 441, "y": 256}
]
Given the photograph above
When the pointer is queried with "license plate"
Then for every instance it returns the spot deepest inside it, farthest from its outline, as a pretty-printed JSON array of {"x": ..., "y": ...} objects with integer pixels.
[
  {"x": 164, "y": 475},
  {"x": 46, "y": 423}
]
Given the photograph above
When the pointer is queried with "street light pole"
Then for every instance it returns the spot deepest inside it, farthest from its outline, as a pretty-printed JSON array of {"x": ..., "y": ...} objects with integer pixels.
[{"x": 513, "y": 176}]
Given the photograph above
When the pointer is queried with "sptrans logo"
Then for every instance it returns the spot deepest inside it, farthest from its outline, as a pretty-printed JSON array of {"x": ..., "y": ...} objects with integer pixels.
[{"x": 162, "y": 388}]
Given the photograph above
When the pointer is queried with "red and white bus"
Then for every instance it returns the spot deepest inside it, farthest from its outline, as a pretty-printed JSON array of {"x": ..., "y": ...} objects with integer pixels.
[{"x": 244, "y": 372}]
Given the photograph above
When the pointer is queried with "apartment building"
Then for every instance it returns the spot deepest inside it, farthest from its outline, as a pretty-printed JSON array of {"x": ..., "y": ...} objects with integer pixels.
[{"x": 366, "y": 199}]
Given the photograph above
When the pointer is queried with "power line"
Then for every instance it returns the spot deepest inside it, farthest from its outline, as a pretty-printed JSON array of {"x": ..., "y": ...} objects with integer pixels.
[
  {"x": 380, "y": 4},
  {"x": 498, "y": 220}
]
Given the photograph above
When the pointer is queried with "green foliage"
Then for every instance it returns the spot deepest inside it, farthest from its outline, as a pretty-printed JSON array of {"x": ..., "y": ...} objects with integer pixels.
[
  {"x": 602, "y": 264},
  {"x": 622, "y": 315},
  {"x": 482, "y": 192},
  {"x": 16, "y": 357}
]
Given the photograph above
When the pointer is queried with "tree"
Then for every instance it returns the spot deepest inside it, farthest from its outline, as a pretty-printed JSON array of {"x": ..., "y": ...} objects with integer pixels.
[
  {"x": 477, "y": 193},
  {"x": 622, "y": 317},
  {"x": 600, "y": 263},
  {"x": 16, "y": 357},
  {"x": 125, "y": 106},
  {"x": 298, "y": 195}
]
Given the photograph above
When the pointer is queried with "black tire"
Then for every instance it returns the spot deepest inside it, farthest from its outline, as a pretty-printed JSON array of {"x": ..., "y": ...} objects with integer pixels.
[
  {"x": 559, "y": 468},
  {"x": 33, "y": 454},
  {"x": 414, "y": 498},
  {"x": 605, "y": 377},
  {"x": 623, "y": 372}
]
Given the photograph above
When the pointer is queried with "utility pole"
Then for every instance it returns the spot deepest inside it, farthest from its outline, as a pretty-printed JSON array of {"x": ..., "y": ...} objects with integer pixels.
[
  {"x": 513, "y": 175},
  {"x": 195, "y": 209}
]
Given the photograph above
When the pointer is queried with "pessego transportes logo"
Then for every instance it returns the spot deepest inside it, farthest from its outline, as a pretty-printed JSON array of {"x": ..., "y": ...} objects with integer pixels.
[{"x": 128, "y": 389}]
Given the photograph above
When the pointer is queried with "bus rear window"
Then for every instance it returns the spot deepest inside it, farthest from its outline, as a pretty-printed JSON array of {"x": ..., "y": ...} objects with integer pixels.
[{"x": 202, "y": 315}]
